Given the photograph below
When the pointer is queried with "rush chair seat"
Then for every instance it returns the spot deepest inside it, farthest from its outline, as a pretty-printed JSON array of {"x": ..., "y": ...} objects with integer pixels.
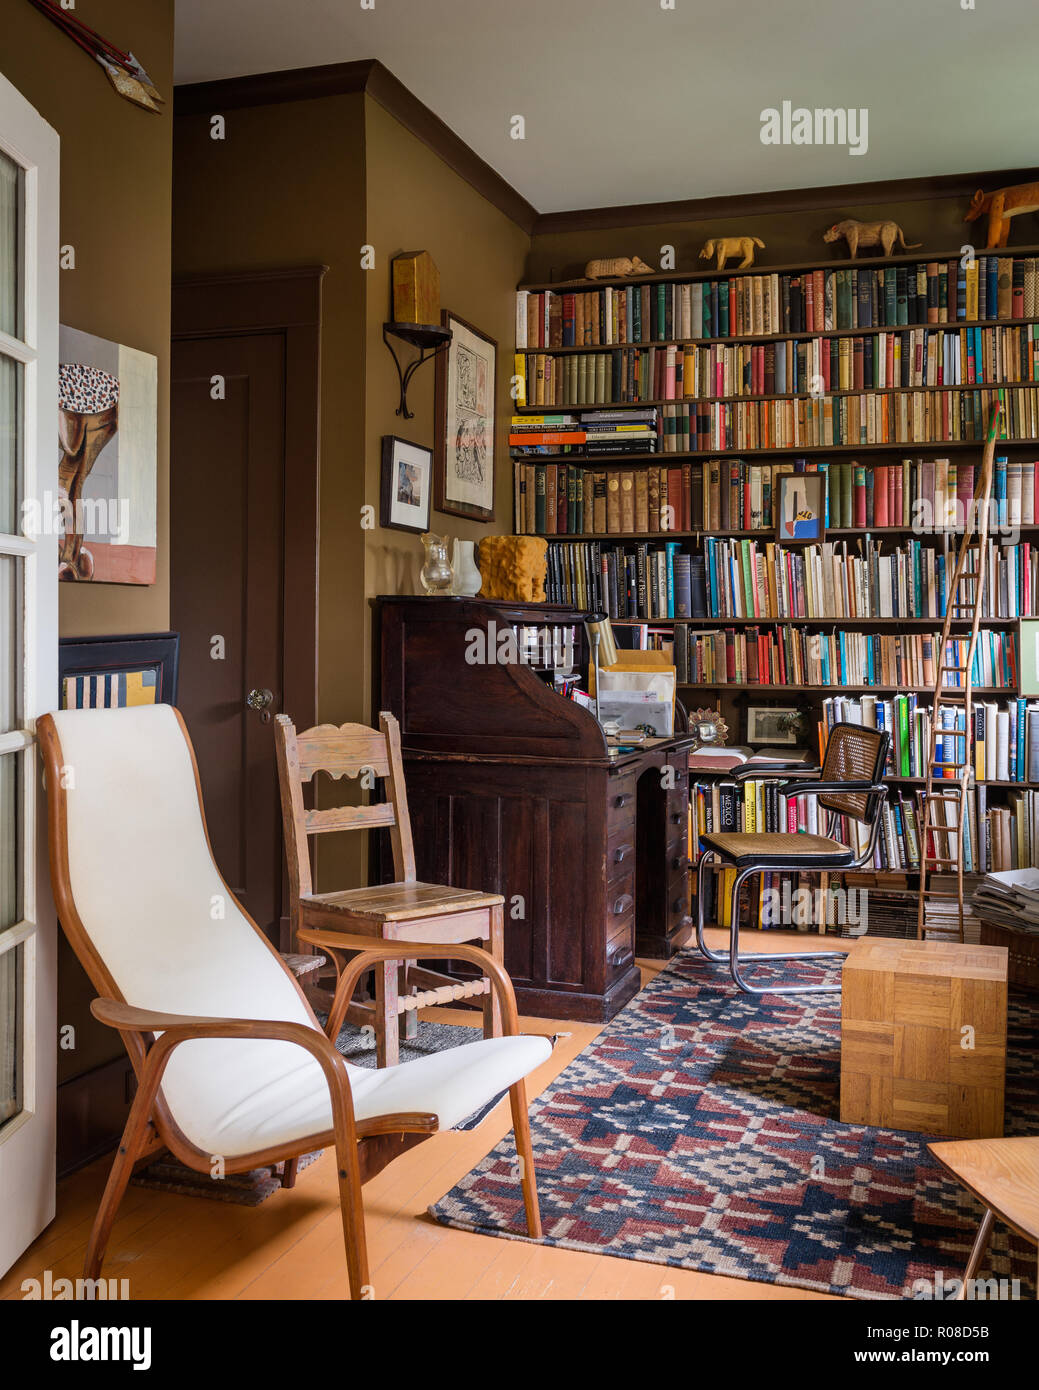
[
  {"x": 406, "y": 909},
  {"x": 230, "y": 1059},
  {"x": 849, "y": 784}
]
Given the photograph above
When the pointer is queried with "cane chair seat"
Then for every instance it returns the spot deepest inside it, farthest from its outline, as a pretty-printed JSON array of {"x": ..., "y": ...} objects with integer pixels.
[{"x": 769, "y": 850}]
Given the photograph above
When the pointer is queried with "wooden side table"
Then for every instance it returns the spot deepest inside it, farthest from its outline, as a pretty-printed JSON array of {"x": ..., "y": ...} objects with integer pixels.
[
  {"x": 923, "y": 1037},
  {"x": 1003, "y": 1174}
]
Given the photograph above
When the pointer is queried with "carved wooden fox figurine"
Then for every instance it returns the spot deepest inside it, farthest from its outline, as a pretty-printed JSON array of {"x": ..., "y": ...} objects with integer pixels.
[{"x": 1001, "y": 206}]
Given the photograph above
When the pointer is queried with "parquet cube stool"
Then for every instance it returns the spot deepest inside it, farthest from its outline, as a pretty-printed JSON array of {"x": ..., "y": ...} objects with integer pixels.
[{"x": 923, "y": 1037}]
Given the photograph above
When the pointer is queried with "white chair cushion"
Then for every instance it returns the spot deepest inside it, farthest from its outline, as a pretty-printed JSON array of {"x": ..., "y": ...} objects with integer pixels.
[
  {"x": 235, "y": 1096},
  {"x": 175, "y": 940}
]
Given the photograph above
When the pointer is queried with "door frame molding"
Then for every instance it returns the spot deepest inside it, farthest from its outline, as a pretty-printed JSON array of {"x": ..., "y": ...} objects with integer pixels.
[{"x": 285, "y": 301}]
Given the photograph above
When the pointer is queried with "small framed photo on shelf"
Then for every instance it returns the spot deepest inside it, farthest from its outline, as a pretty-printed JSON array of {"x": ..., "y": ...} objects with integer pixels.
[
  {"x": 1028, "y": 647},
  {"x": 407, "y": 485},
  {"x": 766, "y": 724},
  {"x": 800, "y": 508},
  {"x": 465, "y": 403}
]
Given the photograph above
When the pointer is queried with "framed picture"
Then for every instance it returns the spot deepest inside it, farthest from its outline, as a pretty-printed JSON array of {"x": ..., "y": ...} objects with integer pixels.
[
  {"x": 107, "y": 460},
  {"x": 770, "y": 725},
  {"x": 1028, "y": 648},
  {"x": 464, "y": 442},
  {"x": 800, "y": 508},
  {"x": 407, "y": 485},
  {"x": 117, "y": 672}
]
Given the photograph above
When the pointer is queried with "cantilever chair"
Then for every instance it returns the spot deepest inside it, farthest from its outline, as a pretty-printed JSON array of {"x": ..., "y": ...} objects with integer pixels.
[
  {"x": 850, "y": 784},
  {"x": 230, "y": 1060}
]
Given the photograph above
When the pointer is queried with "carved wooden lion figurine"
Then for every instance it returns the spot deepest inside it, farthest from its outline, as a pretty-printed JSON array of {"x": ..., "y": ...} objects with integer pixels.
[
  {"x": 886, "y": 235},
  {"x": 725, "y": 247},
  {"x": 619, "y": 265},
  {"x": 513, "y": 568}
]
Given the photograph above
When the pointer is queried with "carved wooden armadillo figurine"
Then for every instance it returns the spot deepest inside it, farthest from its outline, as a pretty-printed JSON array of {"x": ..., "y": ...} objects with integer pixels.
[{"x": 618, "y": 265}]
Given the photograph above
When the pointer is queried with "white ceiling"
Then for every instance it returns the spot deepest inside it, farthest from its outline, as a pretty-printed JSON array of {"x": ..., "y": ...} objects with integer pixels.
[{"x": 627, "y": 102}]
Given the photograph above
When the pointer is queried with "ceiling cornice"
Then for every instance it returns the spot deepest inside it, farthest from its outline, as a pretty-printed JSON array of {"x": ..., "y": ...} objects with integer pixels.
[
  {"x": 368, "y": 76},
  {"x": 371, "y": 77}
]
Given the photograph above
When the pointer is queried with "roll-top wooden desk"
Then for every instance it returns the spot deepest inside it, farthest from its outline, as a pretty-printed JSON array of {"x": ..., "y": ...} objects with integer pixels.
[{"x": 511, "y": 789}]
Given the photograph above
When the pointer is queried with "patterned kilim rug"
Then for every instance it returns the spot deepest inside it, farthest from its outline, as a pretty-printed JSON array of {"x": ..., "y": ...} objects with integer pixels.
[{"x": 701, "y": 1129}]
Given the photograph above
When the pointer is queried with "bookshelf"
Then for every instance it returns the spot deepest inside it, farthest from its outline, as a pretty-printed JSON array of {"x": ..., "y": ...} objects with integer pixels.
[{"x": 867, "y": 381}]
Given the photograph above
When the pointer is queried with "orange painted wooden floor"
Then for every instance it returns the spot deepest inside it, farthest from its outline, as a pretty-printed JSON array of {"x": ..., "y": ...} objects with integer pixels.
[{"x": 174, "y": 1247}]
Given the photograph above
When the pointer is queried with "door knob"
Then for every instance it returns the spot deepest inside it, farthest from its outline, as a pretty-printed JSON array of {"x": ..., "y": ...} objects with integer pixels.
[{"x": 261, "y": 700}]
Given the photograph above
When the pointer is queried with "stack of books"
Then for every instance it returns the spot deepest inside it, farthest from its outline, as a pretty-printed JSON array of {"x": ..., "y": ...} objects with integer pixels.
[{"x": 1009, "y": 897}]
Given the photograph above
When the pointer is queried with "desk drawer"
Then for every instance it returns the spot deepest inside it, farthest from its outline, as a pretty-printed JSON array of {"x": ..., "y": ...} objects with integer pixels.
[
  {"x": 620, "y": 899},
  {"x": 620, "y": 941},
  {"x": 620, "y": 805},
  {"x": 620, "y": 851}
]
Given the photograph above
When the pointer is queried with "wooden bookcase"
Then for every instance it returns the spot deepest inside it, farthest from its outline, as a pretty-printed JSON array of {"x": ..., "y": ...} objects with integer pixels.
[{"x": 730, "y": 697}]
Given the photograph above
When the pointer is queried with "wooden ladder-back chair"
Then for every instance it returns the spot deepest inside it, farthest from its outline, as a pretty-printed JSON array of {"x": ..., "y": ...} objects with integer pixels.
[
  {"x": 851, "y": 785},
  {"x": 403, "y": 910},
  {"x": 230, "y": 1061}
]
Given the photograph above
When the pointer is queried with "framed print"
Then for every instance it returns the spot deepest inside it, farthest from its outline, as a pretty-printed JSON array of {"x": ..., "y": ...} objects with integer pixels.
[
  {"x": 800, "y": 508},
  {"x": 465, "y": 401},
  {"x": 407, "y": 482},
  {"x": 117, "y": 672},
  {"x": 770, "y": 725},
  {"x": 1028, "y": 649}
]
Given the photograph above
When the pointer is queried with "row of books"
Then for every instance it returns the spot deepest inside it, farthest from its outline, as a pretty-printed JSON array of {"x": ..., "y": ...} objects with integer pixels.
[
  {"x": 866, "y": 578},
  {"x": 735, "y": 494},
  {"x": 906, "y": 417},
  {"x": 918, "y": 357},
  {"x": 913, "y": 358},
  {"x": 995, "y": 837},
  {"x": 1003, "y": 742},
  {"x": 850, "y": 296},
  {"x": 741, "y": 579},
  {"x": 789, "y": 656}
]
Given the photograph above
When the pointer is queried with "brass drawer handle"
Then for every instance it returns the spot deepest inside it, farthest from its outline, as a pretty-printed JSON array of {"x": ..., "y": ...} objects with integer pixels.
[
  {"x": 680, "y": 862},
  {"x": 622, "y": 799},
  {"x": 621, "y": 853},
  {"x": 622, "y": 957},
  {"x": 678, "y": 905},
  {"x": 677, "y": 817},
  {"x": 622, "y": 904}
]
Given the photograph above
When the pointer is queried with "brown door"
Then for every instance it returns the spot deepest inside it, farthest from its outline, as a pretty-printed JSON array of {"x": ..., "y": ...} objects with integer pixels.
[{"x": 227, "y": 557}]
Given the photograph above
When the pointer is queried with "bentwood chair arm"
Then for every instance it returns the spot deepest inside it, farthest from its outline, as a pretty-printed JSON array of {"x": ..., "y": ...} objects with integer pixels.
[
  {"x": 373, "y": 953},
  {"x": 811, "y": 788},
  {"x": 774, "y": 773}
]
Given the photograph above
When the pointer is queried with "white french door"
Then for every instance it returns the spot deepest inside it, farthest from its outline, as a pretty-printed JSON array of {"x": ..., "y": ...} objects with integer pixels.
[{"x": 28, "y": 663}]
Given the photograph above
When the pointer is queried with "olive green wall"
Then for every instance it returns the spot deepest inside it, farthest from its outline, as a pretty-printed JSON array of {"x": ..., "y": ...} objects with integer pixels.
[
  {"x": 415, "y": 202},
  {"x": 115, "y": 212},
  {"x": 116, "y": 164}
]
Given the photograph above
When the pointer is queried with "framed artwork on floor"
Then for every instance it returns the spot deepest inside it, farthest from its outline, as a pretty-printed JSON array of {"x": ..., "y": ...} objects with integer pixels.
[
  {"x": 118, "y": 672},
  {"x": 465, "y": 422},
  {"x": 407, "y": 485},
  {"x": 800, "y": 508}
]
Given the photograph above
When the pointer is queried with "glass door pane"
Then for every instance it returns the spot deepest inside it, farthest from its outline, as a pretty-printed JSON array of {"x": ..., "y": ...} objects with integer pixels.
[
  {"x": 11, "y": 894},
  {"x": 11, "y": 179},
  {"x": 11, "y": 406},
  {"x": 11, "y": 1009},
  {"x": 10, "y": 642}
]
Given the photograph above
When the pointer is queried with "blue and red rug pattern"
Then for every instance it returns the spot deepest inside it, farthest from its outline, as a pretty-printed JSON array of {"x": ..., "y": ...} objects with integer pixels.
[{"x": 700, "y": 1129}]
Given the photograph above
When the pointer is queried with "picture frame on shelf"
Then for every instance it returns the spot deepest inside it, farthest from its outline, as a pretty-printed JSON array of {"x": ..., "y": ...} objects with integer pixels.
[
  {"x": 465, "y": 402},
  {"x": 118, "y": 672},
  {"x": 800, "y": 508},
  {"x": 407, "y": 485},
  {"x": 770, "y": 724}
]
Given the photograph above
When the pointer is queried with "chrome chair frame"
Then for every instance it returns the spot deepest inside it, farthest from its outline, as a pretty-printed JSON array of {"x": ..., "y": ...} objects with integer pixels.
[{"x": 875, "y": 791}]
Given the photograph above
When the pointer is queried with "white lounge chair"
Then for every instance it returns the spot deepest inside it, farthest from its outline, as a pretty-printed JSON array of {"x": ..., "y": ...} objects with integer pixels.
[{"x": 231, "y": 1062}]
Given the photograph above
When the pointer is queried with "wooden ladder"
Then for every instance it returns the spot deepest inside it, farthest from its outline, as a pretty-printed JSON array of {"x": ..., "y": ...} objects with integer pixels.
[{"x": 940, "y": 834}]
